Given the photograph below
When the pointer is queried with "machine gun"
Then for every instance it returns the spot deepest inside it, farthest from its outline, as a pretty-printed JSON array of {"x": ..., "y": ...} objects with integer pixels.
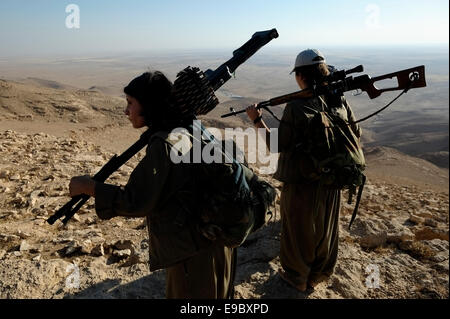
[
  {"x": 193, "y": 94},
  {"x": 338, "y": 82}
]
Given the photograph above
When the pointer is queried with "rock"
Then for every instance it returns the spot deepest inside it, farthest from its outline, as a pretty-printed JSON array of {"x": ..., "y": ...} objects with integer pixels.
[
  {"x": 417, "y": 249},
  {"x": 62, "y": 240},
  {"x": 89, "y": 221},
  {"x": 399, "y": 237},
  {"x": 37, "y": 258},
  {"x": 425, "y": 214},
  {"x": 24, "y": 246},
  {"x": 416, "y": 219},
  {"x": 22, "y": 234},
  {"x": 144, "y": 244},
  {"x": 98, "y": 251},
  {"x": 438, "y": 245},
  {"x": 23, "y": 117},
  {"x": 14, "y": 177},
  {"x": 124, "y": 244},
  {"x": 86, "y": 246},
  {"x": 4, "y": 174},
  {"x": 428, "y": 233},
  {"x": 133, "y": 260},
  {"x": 34, "y": 196},
  {"x": 8, "y": 238},
  {"x": 99, "y": 263},
  {"x": 442, "y": 267},
  {"x": 89, "y": 233},
  {"x": 2, "y": 253},
  {"x": 72, "y": 248},
  {"x": 122, "y": 253},
  {"x": 438, "y": 258},
  {"x": 430, "y": 222},
  {"x": 373, "y": 240}
]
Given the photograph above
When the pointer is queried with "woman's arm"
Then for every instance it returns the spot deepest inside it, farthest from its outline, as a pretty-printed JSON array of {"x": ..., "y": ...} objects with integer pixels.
[
  {"x": 256, "y": 116},
  {"x": 139, "y": 197}
]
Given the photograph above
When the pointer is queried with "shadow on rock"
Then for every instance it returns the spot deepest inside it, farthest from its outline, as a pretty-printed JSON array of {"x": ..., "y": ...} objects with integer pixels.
[
  {"x": 148, "y": 287},
  {"x": 276, "y": 288}
]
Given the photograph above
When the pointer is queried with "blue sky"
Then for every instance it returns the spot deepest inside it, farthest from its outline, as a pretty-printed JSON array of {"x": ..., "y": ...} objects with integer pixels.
[{"x": 39, "y": 26}]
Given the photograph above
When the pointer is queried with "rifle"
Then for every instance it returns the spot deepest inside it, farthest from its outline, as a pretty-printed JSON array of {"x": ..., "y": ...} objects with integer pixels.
[
  {"x": 210, "y": 80},
  {"x": 338, "y": 82}
]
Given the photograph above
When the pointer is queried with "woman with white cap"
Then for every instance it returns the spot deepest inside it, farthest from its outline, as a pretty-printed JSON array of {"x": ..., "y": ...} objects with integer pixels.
[{"x": 309, "y": 211}]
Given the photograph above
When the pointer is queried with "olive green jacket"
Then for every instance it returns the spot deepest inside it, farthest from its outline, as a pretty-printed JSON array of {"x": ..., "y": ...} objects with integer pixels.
[
  {"x": 292, "y": 129},
  {"x": 153, "y": 191}
]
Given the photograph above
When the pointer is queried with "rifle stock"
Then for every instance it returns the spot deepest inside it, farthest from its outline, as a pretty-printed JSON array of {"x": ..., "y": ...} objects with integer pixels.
[{"x": 415, "y": 75}]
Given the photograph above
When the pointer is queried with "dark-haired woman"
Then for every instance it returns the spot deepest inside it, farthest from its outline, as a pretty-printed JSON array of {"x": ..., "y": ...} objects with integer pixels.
[
  {"x": 309, "y": 213},
  {"x": 195, "y": 267}
]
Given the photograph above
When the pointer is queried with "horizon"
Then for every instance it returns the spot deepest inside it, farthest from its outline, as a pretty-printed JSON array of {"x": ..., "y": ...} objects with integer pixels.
[
  {"x": 437, "y": 48},
  {"x": 79, "y": 27}
]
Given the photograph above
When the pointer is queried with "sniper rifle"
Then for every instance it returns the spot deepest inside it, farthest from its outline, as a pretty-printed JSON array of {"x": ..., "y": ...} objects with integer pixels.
[{"x": 338, "y": 82}]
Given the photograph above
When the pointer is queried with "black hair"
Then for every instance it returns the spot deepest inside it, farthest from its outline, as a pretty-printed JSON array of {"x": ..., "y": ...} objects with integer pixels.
[
  {"x": 314, "y": 74},
  {"x": 153, "y": 91}
]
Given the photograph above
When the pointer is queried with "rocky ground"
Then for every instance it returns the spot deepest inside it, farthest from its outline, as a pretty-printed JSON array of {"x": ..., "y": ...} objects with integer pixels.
[{"x": 398, "y": 247}]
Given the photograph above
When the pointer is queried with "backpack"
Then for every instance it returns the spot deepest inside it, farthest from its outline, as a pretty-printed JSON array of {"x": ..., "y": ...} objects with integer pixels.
[
  {"x": 227, "y": 200},
  {"x": 333, "y": 154}
]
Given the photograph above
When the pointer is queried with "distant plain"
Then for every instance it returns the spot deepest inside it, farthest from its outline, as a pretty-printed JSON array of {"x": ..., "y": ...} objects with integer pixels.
[{"x": 416, "y": 124}]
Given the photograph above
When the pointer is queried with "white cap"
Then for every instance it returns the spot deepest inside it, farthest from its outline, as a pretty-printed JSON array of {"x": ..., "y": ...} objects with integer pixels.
[{"x": 308, "y": 57}]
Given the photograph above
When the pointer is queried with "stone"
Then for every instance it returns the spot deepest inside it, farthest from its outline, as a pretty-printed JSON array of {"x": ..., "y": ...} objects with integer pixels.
[
  {"x": 22, "y": 235},
  {"x": 416, "y": 219},
  {"x": 86, "y": 246},
  {"x": 373, "y": 240},
  {"x": 62, "y": 240},
  {"x": 8, "y": 238},
  {"x": 14, "y": 177},
  {"x": 124, "y": 244},
  {"x": 24, "y": 246},
  {"x": 428, "y": 233},
  {"x": 72, "y": 248},
  {"x": 430, "y": 222},
  {"x": 133, "y": 260},
  {"x": 122, "y": 253},
  {"x": 399, "y": 237},
  {"x": 98, "y": 251},
  {"x": 89, "y": 221},
  {"x": 76, "y": 218},
  {"x": 4, "y": 174}
]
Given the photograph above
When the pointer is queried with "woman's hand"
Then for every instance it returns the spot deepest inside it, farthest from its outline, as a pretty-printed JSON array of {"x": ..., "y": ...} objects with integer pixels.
[
  {"x": 253, "y": 113},
  {"x": 82, "y": 185}
]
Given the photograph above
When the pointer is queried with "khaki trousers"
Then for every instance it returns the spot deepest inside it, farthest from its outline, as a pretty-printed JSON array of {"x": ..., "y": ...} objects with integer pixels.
[
  {"x": 309, "y": 234},
  {"x": 208, "y": 275}
]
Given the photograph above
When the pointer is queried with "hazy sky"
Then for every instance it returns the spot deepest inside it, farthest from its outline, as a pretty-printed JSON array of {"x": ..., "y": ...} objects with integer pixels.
[{"x": 40, "y": 26}]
